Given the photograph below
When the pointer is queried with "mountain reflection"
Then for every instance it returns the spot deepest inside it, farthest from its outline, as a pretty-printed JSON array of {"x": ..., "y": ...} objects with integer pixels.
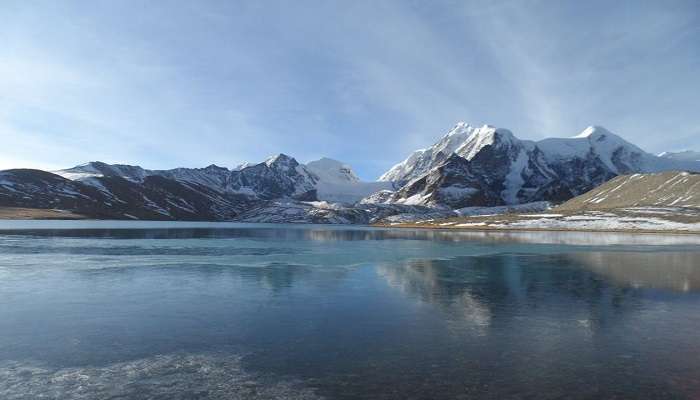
[
  {"x": 675, "y": 271},
  {"x": 154, "y": 230},
  {"x": 594, "y": 287},
  {"x": 172, "y": 230}
]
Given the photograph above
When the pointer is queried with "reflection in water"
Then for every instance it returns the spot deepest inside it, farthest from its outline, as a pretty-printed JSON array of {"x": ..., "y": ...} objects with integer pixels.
[
  {"x": 476, "y": 288},
  {"x": 677, "y": 271},
  {"x": 433, "y": 281},
  {"x": 549, "y": 307}
]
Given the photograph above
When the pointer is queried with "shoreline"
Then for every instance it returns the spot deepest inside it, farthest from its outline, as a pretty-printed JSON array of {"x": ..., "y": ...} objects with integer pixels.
[
  {"x": 35, "y": 214},
  {"x": 47, "y": 214},
  {"x": 486, "y": 229}
]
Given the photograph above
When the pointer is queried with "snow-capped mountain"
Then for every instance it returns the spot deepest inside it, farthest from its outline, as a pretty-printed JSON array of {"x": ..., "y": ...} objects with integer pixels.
[
  {"x": 279, "y": 176},
  {"x": 421, "y": 161},
  {"x": 490, "y": 166}
]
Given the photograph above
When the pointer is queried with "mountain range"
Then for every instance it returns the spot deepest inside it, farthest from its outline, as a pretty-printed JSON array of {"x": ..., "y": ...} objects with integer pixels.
[
  {"x": 489, "y": 166},
  {"x": 467, "y": 167}
]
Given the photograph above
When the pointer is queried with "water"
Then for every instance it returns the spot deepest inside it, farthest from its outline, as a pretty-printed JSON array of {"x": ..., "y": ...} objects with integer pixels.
[{"x": 126, "y": 310}]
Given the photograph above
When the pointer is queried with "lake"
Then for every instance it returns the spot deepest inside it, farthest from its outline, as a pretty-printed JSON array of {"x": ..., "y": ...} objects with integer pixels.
[{"x": 140, "y": 310}]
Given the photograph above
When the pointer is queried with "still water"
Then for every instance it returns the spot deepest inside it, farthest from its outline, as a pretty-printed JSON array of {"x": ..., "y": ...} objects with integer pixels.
[{"x": 128, "y": 310}]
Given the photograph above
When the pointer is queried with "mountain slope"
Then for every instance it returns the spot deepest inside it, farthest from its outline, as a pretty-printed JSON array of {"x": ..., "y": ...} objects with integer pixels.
[
  {"x": 667, "y": 189},
  {"x": 154, "y": 198},
  {"x": 332, "y": 171},
  {"x": 421, "y": 161},
  {"x": 278, "y": 176}
]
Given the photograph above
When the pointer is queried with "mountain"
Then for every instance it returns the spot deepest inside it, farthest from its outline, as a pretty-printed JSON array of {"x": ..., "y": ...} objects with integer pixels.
[
  {"x": 278, "y": 189},
  {"x": 489, "y": 166},
  {"x": 666, "y": 189},
  {"x": 452, "y": 184},
  {"x": 329, "y": 170},
  {"x": 468, "y": 168},
  {"x": 156, "y": 197},
  {"x": 687, "y": 155},
  {"x": 421, "y": 161},
  {"x": 277, "y": 177}
]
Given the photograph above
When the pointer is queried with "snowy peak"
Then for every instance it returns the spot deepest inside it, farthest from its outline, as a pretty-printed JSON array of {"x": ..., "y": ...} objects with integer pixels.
[
  {"x": 329, "y": 170},
  {"x": 599, "y": 136},
  {"x": 463, "y": 139},
  {"x": 421, "y": 161},
  {"x": 686, "y": 155},
  {"x": 281, "y": 161},
  {"x": 241, "y": 166},
  {"x": 487, "y": 135},
  {"x": 593, "y": 130},
  {"x": 449, "y": 143},
  {"x": 618, "y": 155}
]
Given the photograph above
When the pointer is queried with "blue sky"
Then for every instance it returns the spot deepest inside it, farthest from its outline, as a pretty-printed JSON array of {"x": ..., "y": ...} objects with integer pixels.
[{"x": 165, "y": 83}]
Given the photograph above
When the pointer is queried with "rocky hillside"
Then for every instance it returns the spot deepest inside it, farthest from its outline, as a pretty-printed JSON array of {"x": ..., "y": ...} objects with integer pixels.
[
  {"x": 114, "y": 197},
  {"x": 667, "y": 189},
  {"x": 271, "y": 194}
]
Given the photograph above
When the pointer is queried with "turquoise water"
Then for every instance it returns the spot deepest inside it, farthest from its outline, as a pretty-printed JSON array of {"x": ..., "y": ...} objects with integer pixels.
[{"x": 134, "y": 310}]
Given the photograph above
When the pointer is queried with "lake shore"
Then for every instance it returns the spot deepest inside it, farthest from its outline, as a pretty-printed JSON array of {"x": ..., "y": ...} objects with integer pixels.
[
  {"x": 613, "y": 221},
  {"x": 624, "y": 220},
  {"x": 37, "y": 213}
]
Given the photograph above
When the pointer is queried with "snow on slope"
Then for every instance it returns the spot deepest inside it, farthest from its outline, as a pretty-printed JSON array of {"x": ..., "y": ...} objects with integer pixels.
[
  {"x": 615, "y": 152},
  {"x": 98, "y": 169},
  {"x": 487, "y": 135},
  {"x": 338, "y": 183},
  {"x": 332, "y": 171},
  {"x": 600, "y": 222},
  {"x": 421, "y": 161}
]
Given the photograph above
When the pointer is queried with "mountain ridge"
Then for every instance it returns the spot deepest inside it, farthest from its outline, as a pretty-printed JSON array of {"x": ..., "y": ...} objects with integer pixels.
[{"x": 466, "y": 167}]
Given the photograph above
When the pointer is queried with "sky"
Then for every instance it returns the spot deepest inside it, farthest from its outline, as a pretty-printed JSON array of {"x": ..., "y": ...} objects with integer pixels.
[{"x": 165, "y": 84}]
